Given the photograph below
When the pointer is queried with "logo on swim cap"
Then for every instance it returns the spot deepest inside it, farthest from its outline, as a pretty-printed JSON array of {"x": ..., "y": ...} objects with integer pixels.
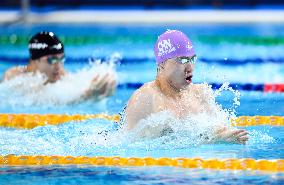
[
  {"x": 58, "y": 46},
  {"x": 173, "y": 43},
  {"x": 165, "y": 47},
  {"x": 38, "y": 46}
]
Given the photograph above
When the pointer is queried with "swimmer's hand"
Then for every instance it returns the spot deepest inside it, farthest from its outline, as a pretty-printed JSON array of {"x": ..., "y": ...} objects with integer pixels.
[
  {"x": 101, "y": 87},
  {"x": 238, "y": 136}
]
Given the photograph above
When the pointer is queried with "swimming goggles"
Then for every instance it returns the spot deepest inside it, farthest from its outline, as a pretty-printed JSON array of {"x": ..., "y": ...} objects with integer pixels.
[
  {"x": 53, "y": 60},
  {"x": 185, "y": 60}
]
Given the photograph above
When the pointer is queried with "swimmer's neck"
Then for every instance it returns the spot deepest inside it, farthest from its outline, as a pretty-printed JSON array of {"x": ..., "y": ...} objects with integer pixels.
[
  {"x": 167, "y": 88},
  {"x": 30, "y": 68}
]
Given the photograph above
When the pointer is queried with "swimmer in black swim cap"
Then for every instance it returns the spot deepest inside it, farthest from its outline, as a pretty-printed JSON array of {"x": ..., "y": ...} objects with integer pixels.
[{"x": 47, "y": 57}]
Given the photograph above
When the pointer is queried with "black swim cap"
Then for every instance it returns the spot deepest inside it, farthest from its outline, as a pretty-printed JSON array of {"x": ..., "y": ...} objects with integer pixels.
[{"x": 44, "y": 43}]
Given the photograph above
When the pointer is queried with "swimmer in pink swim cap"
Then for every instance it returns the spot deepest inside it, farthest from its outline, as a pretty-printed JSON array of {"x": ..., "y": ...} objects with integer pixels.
[{"x": 173, "y": 90}]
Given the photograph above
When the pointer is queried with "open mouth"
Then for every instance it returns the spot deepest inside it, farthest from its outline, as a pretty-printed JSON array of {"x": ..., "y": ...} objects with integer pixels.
[
  {"x": 188, "y": 79},
  {"x": 56, "y": 74}
]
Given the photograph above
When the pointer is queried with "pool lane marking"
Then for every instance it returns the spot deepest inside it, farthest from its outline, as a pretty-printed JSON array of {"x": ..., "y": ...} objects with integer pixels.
[
  {"x": 267, "y": 88},
  {"x": 30, "y": 121},
  {"x": 276, "y": 165}
]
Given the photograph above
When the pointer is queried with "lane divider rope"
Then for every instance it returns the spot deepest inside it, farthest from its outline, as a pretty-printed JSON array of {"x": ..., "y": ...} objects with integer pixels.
[
  {"x": 258, "y": 121},
  {"x": 30, "y": 121},
  {"x": 276, "y": 165},
  {"x": 17, "y": 39},
  {"x": 268, "y": 88}
]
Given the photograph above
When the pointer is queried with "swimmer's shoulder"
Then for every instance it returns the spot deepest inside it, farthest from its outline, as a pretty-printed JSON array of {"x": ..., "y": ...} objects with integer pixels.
[
  {"x": 149, "y": 88},
  {"x": 13, "y": 72},
  {"x": 143, "y": 97},
  {"x": 200, "y": 87},
  {"x": 145, "y": 92},
  {"x": 203, "y": 89},
  {"x": 140, "y": 105}
]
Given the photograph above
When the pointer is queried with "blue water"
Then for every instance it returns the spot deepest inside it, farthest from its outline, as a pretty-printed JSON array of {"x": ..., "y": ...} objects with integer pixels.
[
  {"x": 89, "y": 138},
  {"x": 131, "y": 175}
]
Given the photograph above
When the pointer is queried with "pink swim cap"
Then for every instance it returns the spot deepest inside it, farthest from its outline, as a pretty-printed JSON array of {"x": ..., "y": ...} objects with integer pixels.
[{"x": 171, "y": 44}]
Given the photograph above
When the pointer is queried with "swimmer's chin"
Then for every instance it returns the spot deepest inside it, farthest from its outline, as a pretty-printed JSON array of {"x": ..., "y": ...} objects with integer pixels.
[
  {"x": 185, "y": 86},
  {"x": 53, "y": 80},
  {"x": 188, "y": 82}
]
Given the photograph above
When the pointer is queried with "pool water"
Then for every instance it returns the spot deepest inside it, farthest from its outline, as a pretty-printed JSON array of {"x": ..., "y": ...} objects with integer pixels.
[
  {"x": 132, "y": 175},
  {"x": 227, "y": 53}
]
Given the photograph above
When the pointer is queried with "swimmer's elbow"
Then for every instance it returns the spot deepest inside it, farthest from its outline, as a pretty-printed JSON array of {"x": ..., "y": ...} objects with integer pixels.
[
  {"x": 133, "y": 115},
  {"x": 130, "y": 125},
  {"x": 11, "y": 73},
  {"x": 6, "y": 77},
  {"x": 139, "y": 107},
  {"x": 131, "y": 118}
]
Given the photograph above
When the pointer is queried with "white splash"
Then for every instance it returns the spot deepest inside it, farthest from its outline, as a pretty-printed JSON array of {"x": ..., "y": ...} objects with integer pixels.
[
  {"x": 236, "y": 100},
  {"x": 159, "y": 132},
  {"x": 29, "y": 89},
  {"x": 192, "y": 130}
]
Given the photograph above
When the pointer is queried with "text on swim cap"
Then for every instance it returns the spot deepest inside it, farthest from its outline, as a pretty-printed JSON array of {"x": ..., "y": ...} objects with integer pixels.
[
  {"x": 58, "y": 46},
  {"x": 188, "y": 46},
  {"x": 38, "y": 45},
  {"x": 44, "y": 45},
  {"x": 165, "y": 47}
]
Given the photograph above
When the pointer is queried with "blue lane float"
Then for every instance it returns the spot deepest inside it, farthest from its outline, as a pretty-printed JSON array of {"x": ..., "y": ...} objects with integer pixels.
[
  {"x": 236, "y": 86},
  {"x": 279, "y": 88},
  {"x": 232, "y": 62}
]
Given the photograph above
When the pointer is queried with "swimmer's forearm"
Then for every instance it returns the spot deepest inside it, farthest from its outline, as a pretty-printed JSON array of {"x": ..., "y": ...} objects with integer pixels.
[{"x": 88, "y": 94}]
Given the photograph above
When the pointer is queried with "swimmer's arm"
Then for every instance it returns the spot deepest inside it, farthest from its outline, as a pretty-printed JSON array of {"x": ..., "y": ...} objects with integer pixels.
[
  {"x": 139, "y": 107},
  {"x": 223, "y": 134},
  {"x": 11, "y": 73},
  {"x": 100, "y": 87},
  {"x": 229, "y": 135}
]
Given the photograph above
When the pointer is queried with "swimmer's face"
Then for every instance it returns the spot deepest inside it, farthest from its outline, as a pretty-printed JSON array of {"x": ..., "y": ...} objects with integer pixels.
[
  {"x": 52, "y": 66},
  {"x": 178, "y": 74}
]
